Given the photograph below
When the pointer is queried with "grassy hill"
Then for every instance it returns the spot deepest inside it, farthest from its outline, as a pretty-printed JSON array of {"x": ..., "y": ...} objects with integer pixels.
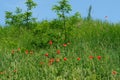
[{"x": 91, "y": 51}]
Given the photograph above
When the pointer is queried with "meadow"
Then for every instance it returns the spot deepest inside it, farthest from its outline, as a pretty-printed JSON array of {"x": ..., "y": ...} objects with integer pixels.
[{"x": 90, "y": 52}]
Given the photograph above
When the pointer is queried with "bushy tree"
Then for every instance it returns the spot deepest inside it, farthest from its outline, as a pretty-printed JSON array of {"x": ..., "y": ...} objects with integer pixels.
[
  {"x": 62, "y": 9},
  {"x": 21, "y": 18},
  {"x": 14, "y": 19}
]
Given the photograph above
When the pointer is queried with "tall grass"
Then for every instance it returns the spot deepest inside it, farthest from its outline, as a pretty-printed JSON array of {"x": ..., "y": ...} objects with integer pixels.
[{"x": 91, "y": 53}]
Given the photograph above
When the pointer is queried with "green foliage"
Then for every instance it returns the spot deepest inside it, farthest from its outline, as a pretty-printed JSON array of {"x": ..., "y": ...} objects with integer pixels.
[
  {"x": 46, "y": 31},
  {"x": 20, "y": 18},
  {"x": 77, "y": 29},
  {"x": 30, "y": 5},
  {"x": 16, "y": 19},
  {"x": 85, "y": 39},
  {"x": 74, "y": 20},
  {"x": 62, "y": 9},
  {"x": 53, "y": 30}
]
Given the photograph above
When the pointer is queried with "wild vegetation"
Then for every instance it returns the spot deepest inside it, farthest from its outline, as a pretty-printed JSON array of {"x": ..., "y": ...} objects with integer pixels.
[{"x": 67, "y": 48}]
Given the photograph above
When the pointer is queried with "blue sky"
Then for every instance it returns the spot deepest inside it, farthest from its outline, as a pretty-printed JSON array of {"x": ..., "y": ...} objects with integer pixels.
[{"x": 100, "y": 9}]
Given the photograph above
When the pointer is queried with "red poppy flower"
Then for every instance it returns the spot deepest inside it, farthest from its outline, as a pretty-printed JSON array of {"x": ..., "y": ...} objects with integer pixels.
[
  {"x": 26, "y": 51},
  {"x": 91, "y": 57},
  {"x": 51, "y": 61},
  {"x": 65, "y": 58},
  {"x": 99, "y": 57},
  {"x": 50, "y": 42},
  {"x": 58, "y": 51},
  {"x": 46, "y": 54},
  {"x": 114, "y": 72},
  {"x": 64, "y": 45},
  {"x": 78, "y": 59}
]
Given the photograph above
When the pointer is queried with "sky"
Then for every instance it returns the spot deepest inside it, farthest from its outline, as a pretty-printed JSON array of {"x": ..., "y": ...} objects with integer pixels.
[{"x": 100, "y": 9}]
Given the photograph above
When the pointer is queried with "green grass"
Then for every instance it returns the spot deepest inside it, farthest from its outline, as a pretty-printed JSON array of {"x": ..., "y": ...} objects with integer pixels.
[
  {"x": 101, "y": 40},
  {"x": 22, "y": 66}
]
